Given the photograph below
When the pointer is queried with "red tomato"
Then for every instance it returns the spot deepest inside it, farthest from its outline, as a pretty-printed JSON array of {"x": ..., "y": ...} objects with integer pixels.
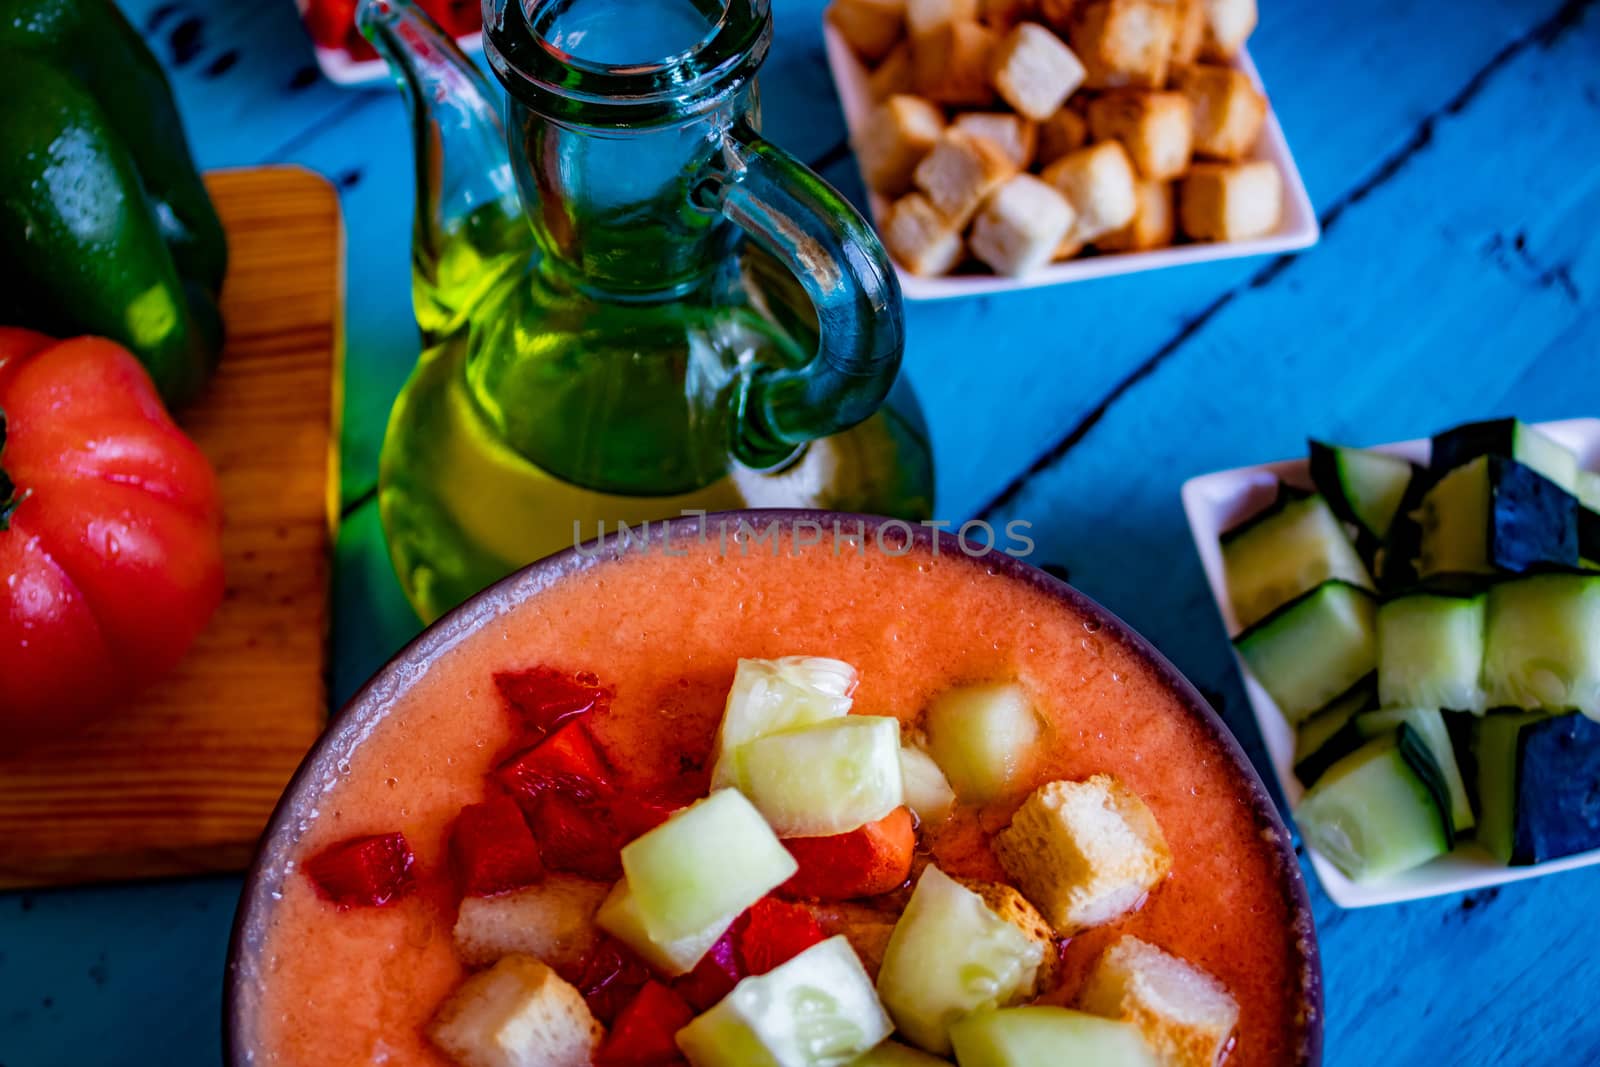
[{"x": 109, "y": 532}]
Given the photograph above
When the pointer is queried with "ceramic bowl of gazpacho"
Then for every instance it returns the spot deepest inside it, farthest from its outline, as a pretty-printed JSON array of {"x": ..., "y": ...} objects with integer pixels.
[{"x": 776, "y": 788}]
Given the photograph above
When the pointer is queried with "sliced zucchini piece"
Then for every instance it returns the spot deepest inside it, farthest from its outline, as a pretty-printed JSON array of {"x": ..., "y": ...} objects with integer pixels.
[
  {"x": 1542, "y": 648},
  {"x": 1313, "y": 649},
  {"x": 1589, "y": 537},
  {"x": 1375, "y": 813},
  {"x": 1430, "y": 728},
  {"x": 1287, "y": 551},
  {"x": 1363, "y": 488},
  {"x": 1510, "y": 439},
  {"x": 1430, "y": 652},
  {"x": 1496, "y": 515},
  {"x": 1558, "y": 781},
  {"x": 1330, "y": 735}
]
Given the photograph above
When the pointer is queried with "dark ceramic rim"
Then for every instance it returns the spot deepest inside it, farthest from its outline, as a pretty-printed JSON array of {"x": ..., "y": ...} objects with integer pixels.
[{"x": 367, "y": 708}]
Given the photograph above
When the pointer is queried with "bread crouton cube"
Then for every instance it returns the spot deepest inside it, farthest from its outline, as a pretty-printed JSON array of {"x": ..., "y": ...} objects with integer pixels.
[
  {"x": 1186, "y": 1016},
  {"x": 1098, "y": 181},
  {"x": 1061, "y": 134},
  {"x": 1084, "y": 852},
  {"x": 925, "y": 16},
  {"x": 960, "y": 172},
  {"x": 950, "y": 64},
  {"x": 893, "y": 75},
  {"x": 552, "y": 920},
  {"x": 1231, "y": 201},
  {"x": 920, "y": 238},
  {"x": 1004, "y": 14},
  {"x": 870, "y": 27},
  {"x": 1125, "y": 42},
  {"x": 1153, "y": 225},
  {"x": 1013, "y": 907},
  {"x": 518, "y": 1013},
  {"x": 1156, "y": 127},
  {"x": 1228, "y": 111},
  {"x": 1021, "y": 225},
  {"x": 1228, "y": 24},
  {"x": 1034, "y": 71},
  {"x": 894, "y": 139},
  {"x": 1015, "y": 136},
  {"x": 1191, "y": 31}
]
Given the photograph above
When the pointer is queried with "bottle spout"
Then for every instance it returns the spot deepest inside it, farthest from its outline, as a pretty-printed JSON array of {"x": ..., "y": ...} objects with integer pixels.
[{"x": 469, "y": 230}]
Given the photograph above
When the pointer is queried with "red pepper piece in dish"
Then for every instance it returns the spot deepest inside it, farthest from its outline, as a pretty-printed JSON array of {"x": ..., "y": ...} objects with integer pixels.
[
  {"x": 642, "y": 1036},
  {"x": 717, "y": 972},
  {"x": 873, "y": 859},
  {"x": 576, "y": 834},
  {"x": 364, "y": 871},
  {"x": 542, "y": 698},
  {"x": 609, "y": 977},
  {"x": 567, "y": 758},
  {"x": 492, "y": 848},
  {"x": 774, "y": 932}
]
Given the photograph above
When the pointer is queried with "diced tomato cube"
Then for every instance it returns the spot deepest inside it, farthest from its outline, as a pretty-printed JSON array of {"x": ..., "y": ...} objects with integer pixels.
[
  {"x": 330, "y": 21},
  {"x": 492, "y": 849},
  {"x": 642, "y": 1036},
  {"x": 609, "y": 977},
  {"x": 567, "y": 758},
  {"x": 873, "y": 859},
  {"x": 542, "y": 698},
  {"x": 774, "y": 932},
  {"x": 576, "y": 834},
  {"x": 641, "y": 811},
  {"x": 716, "y": 974},
  {"x": 363, "y": 871}
]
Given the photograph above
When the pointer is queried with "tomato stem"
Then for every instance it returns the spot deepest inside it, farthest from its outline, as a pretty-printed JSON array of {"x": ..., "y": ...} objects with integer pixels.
[{"x": 10, "y": 498}]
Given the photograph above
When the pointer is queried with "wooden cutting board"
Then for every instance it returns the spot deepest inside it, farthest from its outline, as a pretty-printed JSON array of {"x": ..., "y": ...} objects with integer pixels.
[{"x": 182, "y": 781}]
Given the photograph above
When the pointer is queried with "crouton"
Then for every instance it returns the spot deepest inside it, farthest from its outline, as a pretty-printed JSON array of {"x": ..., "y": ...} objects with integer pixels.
[
  {"x": 1061, "y": 134},
  {"x": 1004, "y": 14},
  {"x": 1034, "y": 71},
  {"x": 1191, "y": 31},
  {"x": 950, "y": 64},
  {"x": 553, "y": 920},
  {"x": 1185, "y": 1015},
  {"x": 1125, "y": 42},
  {"x": 1057, "y": 14},
  {"x": 1228, "y": 24},
  {"x": 870, "y": 27},
  {"x": 1228, "y": 111},
  {"x": 1098, "y": 182},
  {"x": 519, "y": 1013},
  {"x": 925, "y": 16},
  {"x": 1153, "y": 222},
  {"x": 960, "y": 172},
  {"x": 894, "y": 139},
  {"x": 893, "y": 75},
  {"x": 1013, "y": 907},
  {"x": 1015, "y": 136},
  {"x": 1157, "y": 129},
  {"x": 1021, "y": 225},
  {"x": 866, "y": 928},
  {"x": 921, "y": 239},
  {"x": 1231, "y": 201},
  {"x": 1084, "y": 852}
]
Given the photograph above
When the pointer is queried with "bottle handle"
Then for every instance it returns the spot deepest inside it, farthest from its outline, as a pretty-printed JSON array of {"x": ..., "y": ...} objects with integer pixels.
[{"x": 798, "y": 218}]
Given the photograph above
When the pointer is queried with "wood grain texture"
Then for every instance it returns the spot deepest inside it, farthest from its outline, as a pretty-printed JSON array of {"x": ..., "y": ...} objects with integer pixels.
[{"x": 182, "y": 781}]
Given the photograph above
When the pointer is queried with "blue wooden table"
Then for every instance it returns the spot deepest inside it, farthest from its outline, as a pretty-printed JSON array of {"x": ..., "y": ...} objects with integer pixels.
[{"x": 1453, "y": 153}]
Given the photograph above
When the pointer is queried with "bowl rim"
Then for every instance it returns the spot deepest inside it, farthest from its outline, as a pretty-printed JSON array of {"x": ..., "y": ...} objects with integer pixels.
[{"x": 368, "y": 706}]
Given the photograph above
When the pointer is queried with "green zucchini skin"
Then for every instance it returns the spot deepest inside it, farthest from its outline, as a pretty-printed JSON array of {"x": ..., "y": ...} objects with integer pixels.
[
  {"x": 1313, "y": 648},
  {"x": 1537, "y": 779},
  {"x": 1509, "y": 439},
  {"x": 1529, "y": 522},
  {"x": 1365, "y": 489},
  {"x": 1331, "y": 734}
]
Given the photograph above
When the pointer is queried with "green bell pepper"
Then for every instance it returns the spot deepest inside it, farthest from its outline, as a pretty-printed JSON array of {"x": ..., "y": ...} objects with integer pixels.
[{"x": 105, "y": 225}]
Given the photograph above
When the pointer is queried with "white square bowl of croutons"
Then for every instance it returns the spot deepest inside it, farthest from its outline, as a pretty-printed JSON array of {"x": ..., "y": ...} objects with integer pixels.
[{"x": 1143, "y": 122}]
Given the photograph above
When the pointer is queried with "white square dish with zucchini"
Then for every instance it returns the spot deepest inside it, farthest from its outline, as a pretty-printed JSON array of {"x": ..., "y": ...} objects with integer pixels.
[{"x": 1419, "y": 628}]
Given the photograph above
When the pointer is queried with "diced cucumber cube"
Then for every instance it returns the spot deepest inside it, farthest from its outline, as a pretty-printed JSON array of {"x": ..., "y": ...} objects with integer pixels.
[
  {"x": 772, "y": 695},
  {"x": 1496, "y": 515},
  {"x": 1589, "y": 489},
  {"x": 1040, "y": 1034},
  {"x": 817, "y": 1010},
  {"x": 705, "y": 864},
  {"x": 949, "y": 956},
  {"x": 1509, "y": 438},
  {"x": 1430, "y": 652},
  {"x": 1373, "y": 814},
  {"x": 1543, "y": 644},
  {"x": 1430, "y": 727},
  {"x": 825, "y": 779},
  {"x": 985, "y": 738},
  {"x": 1313, "y": 649},
  {"x": 1364, "y": 488},
  {"x": 894, "y": 1054},
  {"x": 1285, "y": 552},
  {"x": 1323, "y": 739},
  {"x": 619, "y": 916},
  {"x": 928, "y": 793}
]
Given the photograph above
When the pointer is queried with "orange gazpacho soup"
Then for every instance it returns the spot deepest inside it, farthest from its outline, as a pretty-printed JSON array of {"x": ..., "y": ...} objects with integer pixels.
[{"x": 658, "y": 638}]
